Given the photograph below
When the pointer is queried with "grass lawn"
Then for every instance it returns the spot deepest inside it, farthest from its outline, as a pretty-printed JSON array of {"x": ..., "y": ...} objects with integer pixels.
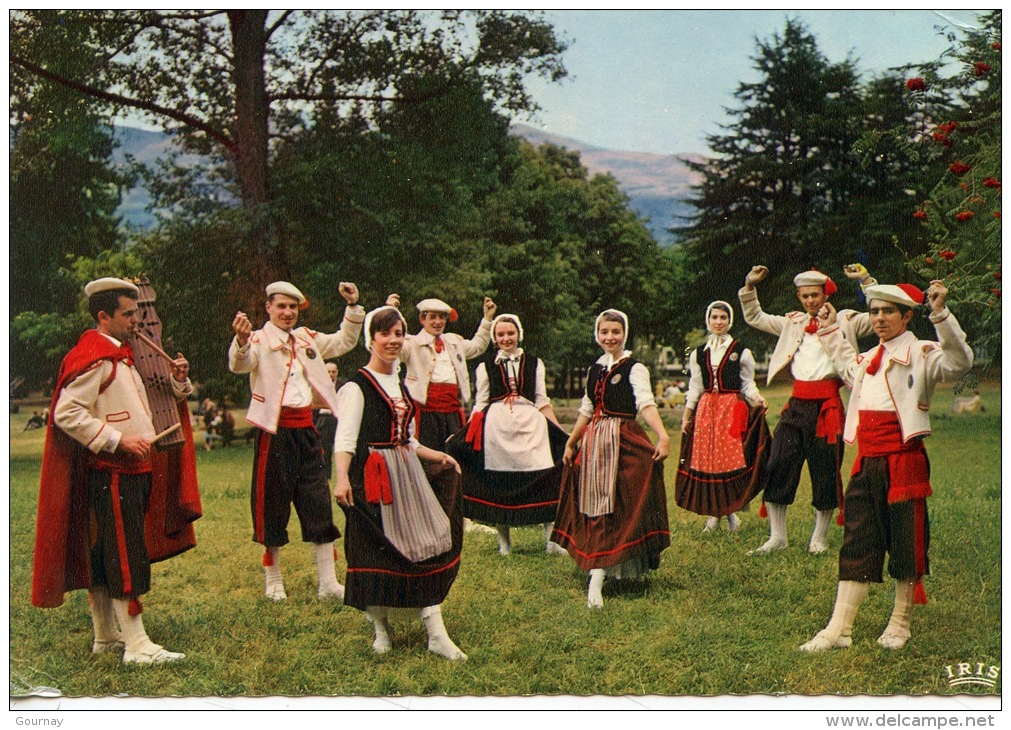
[{"x": 711, "y": 621}]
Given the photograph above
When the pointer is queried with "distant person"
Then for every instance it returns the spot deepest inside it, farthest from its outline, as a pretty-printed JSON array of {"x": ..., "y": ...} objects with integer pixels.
[
  {"x": 971, "y": 404},
  {"x": 811, "y": 424},
  {"x": 889, "y": 417},
  {"x": 36, "y": 421},
  {"x": 326, "y": 421}
]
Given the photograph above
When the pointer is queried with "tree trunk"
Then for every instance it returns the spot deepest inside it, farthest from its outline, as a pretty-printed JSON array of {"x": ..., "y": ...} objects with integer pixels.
[{"x": 269, "y": 262}]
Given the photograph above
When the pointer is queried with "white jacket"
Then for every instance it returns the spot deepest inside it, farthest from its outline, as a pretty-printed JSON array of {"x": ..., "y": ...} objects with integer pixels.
[
  {"x": 911, "y": 371},
  {"x": 267, "y": 359},
  {"x": 419, "y": 354},
  {"x": 790, "y": 327}
]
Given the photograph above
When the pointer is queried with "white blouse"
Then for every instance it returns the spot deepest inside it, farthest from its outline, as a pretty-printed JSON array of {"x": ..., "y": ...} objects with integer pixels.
[{"x": 695, "y": 385}]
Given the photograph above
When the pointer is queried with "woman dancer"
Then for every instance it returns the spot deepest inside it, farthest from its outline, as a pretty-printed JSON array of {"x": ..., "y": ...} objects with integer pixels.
[
  {"x": 404, "y": 532},
  {"x": 723, "y": 450},
  {"x": 612, "y": 511},
  {"x": 511, "y": 453}
]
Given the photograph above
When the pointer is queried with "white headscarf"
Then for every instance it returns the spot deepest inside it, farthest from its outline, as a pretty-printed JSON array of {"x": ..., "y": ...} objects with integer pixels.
[
  {"x": 368, "y": 322},
  {"x": 515, "y": 320},
  {"x": 714, "y": 339},
  {"x": 624, "y": 320}
]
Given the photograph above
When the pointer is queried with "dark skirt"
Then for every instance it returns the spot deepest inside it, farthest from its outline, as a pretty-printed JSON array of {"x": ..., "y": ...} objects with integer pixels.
[
  {"x": 509, "y": 497},
  {"x": 724, "y": 493},
  {"x": 637, "y": 529},
  {"x": 378, "y": 574}
]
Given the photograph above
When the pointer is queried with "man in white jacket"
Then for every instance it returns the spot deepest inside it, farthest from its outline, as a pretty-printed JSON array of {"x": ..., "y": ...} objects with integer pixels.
[
  {"x": 810, "y": 425},
  {"x": 888, "y": 416},
  {"x": 437, "y": 376},
  {"x": 287, "y": 377}
]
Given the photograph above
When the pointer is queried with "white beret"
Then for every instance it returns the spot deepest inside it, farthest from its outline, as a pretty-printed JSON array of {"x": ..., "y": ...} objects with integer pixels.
[
  {"x": 108, "y": 283},
  {"x": 815, "y": 278},
  {"x": 433, "y": 305},
  {"x": 905, "y": 294},
  {"x": 288, "y": 290}
]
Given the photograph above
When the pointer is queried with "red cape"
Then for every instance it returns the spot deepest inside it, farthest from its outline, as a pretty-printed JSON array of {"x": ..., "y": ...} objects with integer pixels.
[{"x": 61, "y": 537}]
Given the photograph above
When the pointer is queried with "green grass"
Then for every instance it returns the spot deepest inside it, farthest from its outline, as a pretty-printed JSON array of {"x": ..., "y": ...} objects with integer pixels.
[{"x": 711, "y": 621}]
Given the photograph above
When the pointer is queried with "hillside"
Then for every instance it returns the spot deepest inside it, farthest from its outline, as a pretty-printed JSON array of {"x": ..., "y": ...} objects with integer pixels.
[{"x": 658, "y": 186}]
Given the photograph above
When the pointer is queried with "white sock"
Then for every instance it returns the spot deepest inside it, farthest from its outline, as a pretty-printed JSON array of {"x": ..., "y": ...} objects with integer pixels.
[
  {"x": 777, "y": 528},
  {"x": 849, "y": 595},
  {"x": 377, "y": 616},
  {"x": 897, "y": 633},
  {"x": 594, "y": 594},
  {"x": 134, "y": 636},
  {"x": 733, "y": 522},
  {"x": 107, "y": 635},
  {"x": 552, "y": 547},
  {"x": 711, "y": 524},
  {"x": 438, "y": 640},
  {"x": 328, "y": 585},
  {"x": 274, "y": 588},
  {"x": 819, "y": 538},
  {"x": 504, "y": 543}
]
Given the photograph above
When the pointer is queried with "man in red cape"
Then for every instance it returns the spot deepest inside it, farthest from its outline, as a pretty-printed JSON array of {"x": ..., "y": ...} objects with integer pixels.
[{"x": 109, "y": 504}]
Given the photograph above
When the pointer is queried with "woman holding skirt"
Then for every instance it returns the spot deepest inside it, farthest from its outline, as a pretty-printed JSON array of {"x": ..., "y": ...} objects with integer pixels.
[
  {"x": 404, "y": 523},
  {"x": 511, "y": 452},
  {"x": 612, "y": 511},
  {"x": 723, "y": 442}
]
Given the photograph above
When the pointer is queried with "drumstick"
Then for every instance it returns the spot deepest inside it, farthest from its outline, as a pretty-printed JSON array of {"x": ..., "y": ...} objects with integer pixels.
[
  {"x": 151, "y": 343},
  {"x": 166, "y": 432}
]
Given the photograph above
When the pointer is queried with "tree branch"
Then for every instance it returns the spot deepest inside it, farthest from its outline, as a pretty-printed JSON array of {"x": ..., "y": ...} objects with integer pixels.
[
  {"x": 187, "y": 119},
  {"x": 278, "y": 24}
]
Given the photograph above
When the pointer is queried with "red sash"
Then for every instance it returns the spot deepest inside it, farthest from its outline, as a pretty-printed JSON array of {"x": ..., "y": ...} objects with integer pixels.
[
  {"x": 295, "y": 418},
  {"x": 442, "y": 398},
  {"x": 830, "y": 417}
]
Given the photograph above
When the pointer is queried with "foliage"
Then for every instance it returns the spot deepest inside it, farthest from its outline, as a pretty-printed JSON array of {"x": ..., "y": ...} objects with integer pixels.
[{"x": 961, "y": 213}]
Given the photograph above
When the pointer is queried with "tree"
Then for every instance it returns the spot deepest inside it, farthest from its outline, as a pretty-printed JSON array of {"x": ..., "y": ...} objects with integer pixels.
[
  {"x": 782, "y": 175},
  {"x": 961, "y": 212},
  {"x": 238, "y": 82}
]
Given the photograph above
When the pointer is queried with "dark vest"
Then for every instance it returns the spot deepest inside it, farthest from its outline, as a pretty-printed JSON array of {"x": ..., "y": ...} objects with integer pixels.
[
  {"x": 728, "y": 372},
  {"x": 611, "y": 392},
  {"x": 498, "y": 378},
  {"x": 378, "y": 427}
]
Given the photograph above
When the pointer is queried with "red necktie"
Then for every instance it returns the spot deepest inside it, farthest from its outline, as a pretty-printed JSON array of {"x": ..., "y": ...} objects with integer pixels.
[
  {"x": 812, "y": 326},
  {"x": 876, "y": 360},
  {"x": 439, "y": 346}
]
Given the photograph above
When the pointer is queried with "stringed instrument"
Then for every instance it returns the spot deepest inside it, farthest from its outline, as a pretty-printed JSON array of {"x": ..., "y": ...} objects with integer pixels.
[{"x": 154, "y": 366}]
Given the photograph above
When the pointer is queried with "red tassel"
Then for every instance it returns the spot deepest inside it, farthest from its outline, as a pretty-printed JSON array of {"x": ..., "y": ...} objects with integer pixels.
[
  {"x": 377, "y": 480},
  {"x": 335, "y": 554},
  {"x": 475, "y": 432},
  {"x": 839, "y": 519},
  {"x": 739, "y": 421},
  {"x": 762, "y": 512},
  {"x": 135, "y": 609},
  {"x": 268, "y": 559},
  {"x": 919, "y": 594}
]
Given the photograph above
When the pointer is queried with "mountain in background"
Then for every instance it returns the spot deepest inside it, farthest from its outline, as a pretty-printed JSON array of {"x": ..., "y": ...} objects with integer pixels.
[{"x": 658, "y": 186}]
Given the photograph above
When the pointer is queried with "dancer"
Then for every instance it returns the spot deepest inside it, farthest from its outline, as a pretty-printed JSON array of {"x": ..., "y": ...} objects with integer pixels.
[
  {"x": 889, "y": 416},
  {"x": 723, "y": 446},
  {"x": 437, "y": 373},
  {"x": 511, "y": 454},
  {"x": 612, "y": 510},
  {"x": 287, "y": 376},
  {"x": 404, "y": 527},
  {"x": 810, "y": 425},
  {"x": 104, "y": 489}
]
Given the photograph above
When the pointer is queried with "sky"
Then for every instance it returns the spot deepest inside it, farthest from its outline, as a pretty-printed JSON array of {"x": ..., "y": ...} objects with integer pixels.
[{"x": 658, "y": 80}]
